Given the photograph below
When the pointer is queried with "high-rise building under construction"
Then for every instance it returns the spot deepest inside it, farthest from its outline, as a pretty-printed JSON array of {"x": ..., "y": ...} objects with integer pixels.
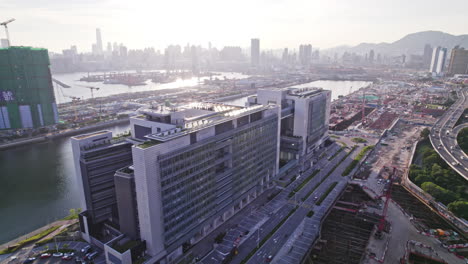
[{"x": 26, "y": 93}]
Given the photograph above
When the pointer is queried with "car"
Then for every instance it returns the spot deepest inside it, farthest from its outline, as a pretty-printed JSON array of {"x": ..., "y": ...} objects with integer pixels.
[
  {"x": 269, "y": 258},
  {"x": 86, "y": 249},
  {"x": 29, "y": 260},
  {"x": 45, "y": 255},
  {"x": 462, "y": 157},
  {"x": 58, "y": 254},
  {"x": 67, "y": 257},
  {"x": 454, "y": 163},
  {"x": 78, "y": 259}
]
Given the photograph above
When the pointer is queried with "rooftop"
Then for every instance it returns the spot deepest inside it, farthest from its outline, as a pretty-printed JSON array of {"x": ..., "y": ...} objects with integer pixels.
[
  {"x": 197, "y": 116},
  {"x": 91, "y": 134},
  {"x": 303, "y": 92}
]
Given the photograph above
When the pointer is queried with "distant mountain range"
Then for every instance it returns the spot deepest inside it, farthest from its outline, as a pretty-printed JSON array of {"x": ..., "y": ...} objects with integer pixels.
[{"x": 410, "y": 44}]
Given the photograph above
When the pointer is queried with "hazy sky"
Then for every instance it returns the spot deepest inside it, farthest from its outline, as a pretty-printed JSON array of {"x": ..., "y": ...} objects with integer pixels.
[{"x": 57, "y": 24}]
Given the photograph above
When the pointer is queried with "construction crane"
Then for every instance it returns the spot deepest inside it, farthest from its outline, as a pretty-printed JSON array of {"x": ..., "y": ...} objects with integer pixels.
[
  {"x": 5, "y": 24},
  {"x": 91, "y": 88},
  {"x": 388, "y": 197},
  {"x": 75, "y": 99}
]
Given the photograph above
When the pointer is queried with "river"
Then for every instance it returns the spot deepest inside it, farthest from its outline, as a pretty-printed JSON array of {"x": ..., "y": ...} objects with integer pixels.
[{"x": 38, "y": 183}]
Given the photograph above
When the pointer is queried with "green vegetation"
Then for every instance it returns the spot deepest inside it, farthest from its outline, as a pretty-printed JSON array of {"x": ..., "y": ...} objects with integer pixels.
[
  {"x": 149, "y": 143},
  {"x": 50, "y": 239},
  {"x": 356, "y": 160},
  {"x": 310, "y": 214},
  {"x": 29, "y": 240},
  {"x": 73, "y": 214},
  {"x": 325, "y": 194},
  {"x": 304, "y": 183},
  {"x": 358, "y": 140},
  {"x": 268, "y": 236},
  {"x": 435, "y": 177},
  {"x": 462, "y": 139},
  {"x": 459, "y": 208},
  {"x": 334, "y": 136},
  {"x": 329, "y": 173}
]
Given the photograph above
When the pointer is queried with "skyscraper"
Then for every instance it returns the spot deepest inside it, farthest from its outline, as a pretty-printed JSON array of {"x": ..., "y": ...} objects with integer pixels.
[
  {"x": 427, "y": 56},
  {"x": 439, "y": 55},
  {"x": 305, "y": 54},
  {"x": 255, "y": 52},
  {"x": 27, "y": 97},
  {"x": 458, "y": 61},
  {"x": 371, "y": 56},
  {"x": 99, "y": 48}
]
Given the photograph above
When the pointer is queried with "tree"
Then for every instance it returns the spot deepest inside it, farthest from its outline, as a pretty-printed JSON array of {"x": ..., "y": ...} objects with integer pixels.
[
  {"x": 439, "y": 193},
  {"x": 422, "y": 178},
  {"x": 459, "y": 208},
  {"x": 425, "y": 133}
]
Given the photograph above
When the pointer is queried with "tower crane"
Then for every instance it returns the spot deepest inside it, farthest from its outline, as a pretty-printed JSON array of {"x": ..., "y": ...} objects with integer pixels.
[
  {"x": 388, "y": 197},
  {"x": 5, "y": 24},
  {"x": 91, "y": 88},
  {"x": 75, "y": 99}
]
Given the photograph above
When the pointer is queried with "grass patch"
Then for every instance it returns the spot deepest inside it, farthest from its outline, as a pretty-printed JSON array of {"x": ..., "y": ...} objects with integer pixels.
[
  {"x": 356, "y": 160},
  {"x": 310, "y": 214},
  {"x": 324, "y": 195},
  {"x": 304, "y": 183},
  {"x": 272, "y": 232},
  {"x": 73, "y": 214},
  {"x": 358, "y": 140},
  {"x": 334, "y": 136},
  {"x": 149, "y": 143},
  {"x": 29, "y": 240},
  {"x": 329, "y": 173}
]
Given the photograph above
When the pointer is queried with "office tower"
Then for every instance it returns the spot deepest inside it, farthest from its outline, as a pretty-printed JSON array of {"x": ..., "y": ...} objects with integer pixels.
[
  {"x": 230, "y": 53},
  {"x": 305, "y": 54},
  {"x": 304, "y": 120},
  {"x": 201, "y": 164},
  {"x": 109, "y": 48},
  {"x": 97, "y": 157},
  {"x": 99, "y": 48},
  {"x": 458, "y": 61},
  {"x": 439, "y": 55},
  {"x": 27, "y": 97},
  {"x": 427, "y": 56},
  {"x": 285, "y": 56},
  {"x": 4, "y": 43},
  {"x": 255, "y": 52},
  {"x": 371, "y": 56}
]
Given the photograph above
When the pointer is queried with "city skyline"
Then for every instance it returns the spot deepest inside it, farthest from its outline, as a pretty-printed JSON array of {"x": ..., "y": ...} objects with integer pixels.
[{"x": 279, "y": 24}]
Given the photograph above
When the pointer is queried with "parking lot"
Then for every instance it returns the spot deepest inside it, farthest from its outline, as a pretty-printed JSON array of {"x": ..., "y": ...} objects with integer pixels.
[{"x": 26, "y": 253}]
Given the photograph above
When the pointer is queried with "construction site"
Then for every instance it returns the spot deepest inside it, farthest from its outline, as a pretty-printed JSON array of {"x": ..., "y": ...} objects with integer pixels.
[{"x": 346, "y": 230}]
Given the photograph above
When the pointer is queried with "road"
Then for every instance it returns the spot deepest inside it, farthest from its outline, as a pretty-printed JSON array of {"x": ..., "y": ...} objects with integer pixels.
[
  {"x": 265, "y": 219},
  {"x": 443, "y": 136}
]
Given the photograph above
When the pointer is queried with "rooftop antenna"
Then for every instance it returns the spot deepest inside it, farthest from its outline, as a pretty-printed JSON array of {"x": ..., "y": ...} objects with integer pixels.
[{"x": 5, "y": 24}]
